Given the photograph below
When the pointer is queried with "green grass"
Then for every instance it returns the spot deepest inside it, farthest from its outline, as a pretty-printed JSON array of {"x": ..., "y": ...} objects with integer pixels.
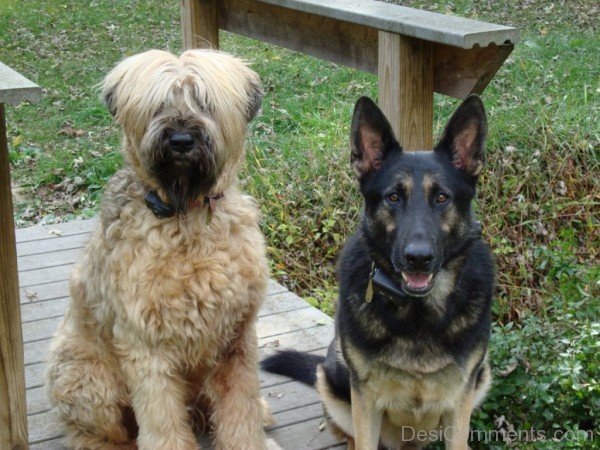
[{"x": 539, "y": 199}]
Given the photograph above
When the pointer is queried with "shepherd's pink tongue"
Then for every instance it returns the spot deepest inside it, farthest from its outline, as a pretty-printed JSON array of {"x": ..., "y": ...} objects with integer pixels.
[{"x": 417, "y": 280}]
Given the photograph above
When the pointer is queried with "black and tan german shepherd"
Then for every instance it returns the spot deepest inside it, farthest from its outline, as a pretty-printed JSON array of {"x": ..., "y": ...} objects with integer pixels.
[{"x": 408, "y": 363}]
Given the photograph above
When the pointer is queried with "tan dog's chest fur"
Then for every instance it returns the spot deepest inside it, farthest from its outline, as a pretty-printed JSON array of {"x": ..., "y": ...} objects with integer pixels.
[
  {"x": 197, "y": 285},
  {"x": 162, "y": 316}
]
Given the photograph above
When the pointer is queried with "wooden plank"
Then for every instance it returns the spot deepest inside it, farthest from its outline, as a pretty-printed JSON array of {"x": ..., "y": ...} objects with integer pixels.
[
  {"x": 275, "y": 288},
  {"x": 320, "y": 36},
  {"x": 451, "y": 30},
  {"x": 45, "y": 276},
  {"x": 276, "y": 325},
  {"x": 37, "y": 401},
  {"x": 281, "y": 302},
  {"x": 36, "y": 351},
  {"x": 49, "y": 259},
  {"x": 282, "y": 398},
  {"x": 53, "y": 231},
  {"x": 287, "y": 438},
  {"x": 53, "y": 444},
  {"x": 287, "y": 396},
  {"x": 53, "y": 309},
  {"x": 41, "y": 247},
  {"x": 303, "y": 435},
  {"x": 40, "y": 329},
  {"x": 56, "y": 289},
  {"x": 43, "y": 427},
  {"x": 315, "y": 340},
  {"x": 15, "y": 88},
  {"x": 268, "y": 326},
  {"x": 13, "y": 426},
  {"x": 44, "y": 292},
  {"x": 458, "y": 72},
  {"x": 34, "y": 375},
  {"x": 406, "y": 88},
  {"x": 282, "y": 395},
  {"x": 33, "y": 311},
  {"x": 199, "y": 24}
]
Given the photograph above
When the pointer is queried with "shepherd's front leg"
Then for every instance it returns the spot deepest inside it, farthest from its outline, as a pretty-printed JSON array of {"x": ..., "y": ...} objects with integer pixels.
[
  {"x": 158, "y": 399},
  {"x": 366, "y": 419},
  {"x": 457, "y": 423},
  {"x": 238, "y": 412}
]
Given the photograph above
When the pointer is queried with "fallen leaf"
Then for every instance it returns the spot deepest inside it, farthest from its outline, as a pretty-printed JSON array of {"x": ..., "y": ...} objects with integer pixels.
[
  {"x": 509, "y": 369},
  {"x": 271, "y": 344},
  {"x": 55, "y": 233},
  {"x": 68, "y": 130},
  {"x": 30, "y": 295}
]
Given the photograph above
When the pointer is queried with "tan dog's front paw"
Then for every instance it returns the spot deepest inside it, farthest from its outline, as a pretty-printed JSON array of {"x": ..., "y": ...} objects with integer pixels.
[{"x": 267, "y": 416}]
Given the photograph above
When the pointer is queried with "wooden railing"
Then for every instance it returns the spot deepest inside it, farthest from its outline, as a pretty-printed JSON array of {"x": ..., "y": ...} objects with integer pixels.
[
  {"x": 14, "y": 89},
  {"x": 414, "y": 53}
]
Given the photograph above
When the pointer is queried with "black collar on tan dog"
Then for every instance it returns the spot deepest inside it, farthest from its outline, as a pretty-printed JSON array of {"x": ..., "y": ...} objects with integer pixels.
[{"x": 163, "y": 210}]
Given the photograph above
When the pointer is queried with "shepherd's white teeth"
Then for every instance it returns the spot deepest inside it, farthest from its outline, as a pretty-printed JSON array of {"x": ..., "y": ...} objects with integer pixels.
[
  {"x": 429, "y": 277},
  {"x": 404, "y": 276}
]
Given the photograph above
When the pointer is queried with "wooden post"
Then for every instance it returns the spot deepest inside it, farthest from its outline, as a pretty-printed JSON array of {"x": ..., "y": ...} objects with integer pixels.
[
  {"x": 13, "y": 414},
  {"x": 200, "y": 24},
  {"x": 405, "y": 71}
]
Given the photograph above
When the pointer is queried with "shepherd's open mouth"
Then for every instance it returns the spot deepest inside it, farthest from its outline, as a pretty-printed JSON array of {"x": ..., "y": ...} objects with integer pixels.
[{"x": 416, "y": 283}]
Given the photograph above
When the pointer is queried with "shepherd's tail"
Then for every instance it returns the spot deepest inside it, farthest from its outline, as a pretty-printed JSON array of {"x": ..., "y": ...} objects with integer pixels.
[{"x": 294, "y": 364}]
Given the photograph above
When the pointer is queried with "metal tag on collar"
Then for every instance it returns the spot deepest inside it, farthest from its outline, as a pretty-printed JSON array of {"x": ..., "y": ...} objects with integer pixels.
[
  {"x": 369, "y": 293},
  {"x": 211, "y": 200},
  {"x": 160, "y": 209}
]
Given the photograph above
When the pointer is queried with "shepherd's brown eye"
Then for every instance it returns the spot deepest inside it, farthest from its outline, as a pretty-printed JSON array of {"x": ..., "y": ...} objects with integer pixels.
[
  {"x": 441, "y": 198},
  {"x": 393, "y": 197}
]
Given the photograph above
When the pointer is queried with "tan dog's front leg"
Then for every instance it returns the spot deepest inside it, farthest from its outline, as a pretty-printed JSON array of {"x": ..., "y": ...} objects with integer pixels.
[
  {"x": 366, "y": 420},
  {"x": 457, "y": 424},
  {"x": 238, "y": 413},
  {"x": 158, "y": 398}
]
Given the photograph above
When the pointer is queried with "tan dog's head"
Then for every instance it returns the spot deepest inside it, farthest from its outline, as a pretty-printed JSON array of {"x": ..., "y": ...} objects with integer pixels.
[{"x": 184, "y": 119}]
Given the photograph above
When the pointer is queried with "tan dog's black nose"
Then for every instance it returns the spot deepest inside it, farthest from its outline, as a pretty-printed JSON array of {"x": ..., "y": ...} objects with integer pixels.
[{"x": 181, "y": 142}]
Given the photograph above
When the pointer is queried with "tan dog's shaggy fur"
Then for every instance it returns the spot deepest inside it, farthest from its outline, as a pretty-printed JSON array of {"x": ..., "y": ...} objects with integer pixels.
[{"x": 162, "y": 312}]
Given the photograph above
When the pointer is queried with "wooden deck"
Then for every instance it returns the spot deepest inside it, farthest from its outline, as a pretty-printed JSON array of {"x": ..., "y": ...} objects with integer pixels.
[{"x": 46, "y": 255}]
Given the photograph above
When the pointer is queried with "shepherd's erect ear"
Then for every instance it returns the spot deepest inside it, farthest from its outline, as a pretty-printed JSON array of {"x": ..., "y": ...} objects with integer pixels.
[
  {"x": 464, "y": 137},
  {"x": 371, "y": 137}
]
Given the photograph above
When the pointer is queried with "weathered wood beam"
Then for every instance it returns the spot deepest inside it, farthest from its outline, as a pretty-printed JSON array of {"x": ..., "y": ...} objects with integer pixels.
[
  {"x": 13, "y": 414},
  {"x": 323, "y": 37},
  {"x": 405, "y": 77},
  {"x": 457, "y": 71},
  {"x": 200, "y": 24}
]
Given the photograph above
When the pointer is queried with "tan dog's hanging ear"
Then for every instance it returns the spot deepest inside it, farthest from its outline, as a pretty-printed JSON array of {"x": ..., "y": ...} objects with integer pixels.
[
  {"x": 255, "y": 95},
  {"x": 108, "y": 98}
]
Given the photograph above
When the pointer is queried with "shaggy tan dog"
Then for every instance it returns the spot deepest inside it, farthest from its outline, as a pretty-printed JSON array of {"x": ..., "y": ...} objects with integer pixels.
[{"x": 164, "y": 300}]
